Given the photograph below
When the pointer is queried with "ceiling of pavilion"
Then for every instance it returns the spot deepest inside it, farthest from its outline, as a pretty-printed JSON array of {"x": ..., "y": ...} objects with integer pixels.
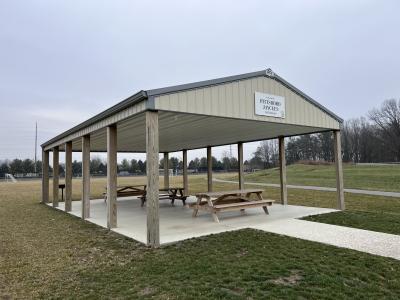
[{"x": 178, "y": 131}]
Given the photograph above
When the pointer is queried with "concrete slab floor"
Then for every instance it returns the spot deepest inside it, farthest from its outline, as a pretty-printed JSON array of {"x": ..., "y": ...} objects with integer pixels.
[{"x": 177, "y": 223}]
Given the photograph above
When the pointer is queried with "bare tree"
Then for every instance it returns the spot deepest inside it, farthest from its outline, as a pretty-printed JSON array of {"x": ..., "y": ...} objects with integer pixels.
[
  {"x": 267, "y": 153},
  {"x": 387, "y": 120}
]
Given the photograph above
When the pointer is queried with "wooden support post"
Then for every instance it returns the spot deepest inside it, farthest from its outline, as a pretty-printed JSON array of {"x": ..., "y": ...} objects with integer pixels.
[
  {"x": 209, "y": 169},
  {"x": 85, "y": 177},
  {"x": 166, "y": 170},
  {"x": 282, "y": 168},
  {"x": 339, "y": 169},
  {"x": 152, "y": 197},
  {"x": 185, "y": 173},
  {"x": 111, "y": 176},
  {"x": 240, "y": 165},
  {"x": 45, "y": 176},
  {"x": 68, "y": 176},
  {"x": 56, "y": 175}
]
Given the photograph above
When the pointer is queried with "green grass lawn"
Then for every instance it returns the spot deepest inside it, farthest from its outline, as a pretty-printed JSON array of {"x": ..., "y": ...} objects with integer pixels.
[
  {"x": 380, "y": 178},
  {"x": 377, "y": 221},
  {"x": 368, "y": 212},
  {"x": 375, "y": 213},
  {"x": 45, "y": 253}
]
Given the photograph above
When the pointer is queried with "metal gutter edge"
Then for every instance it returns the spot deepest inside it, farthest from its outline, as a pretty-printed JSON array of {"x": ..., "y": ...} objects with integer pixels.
[
  {"x": 205, "y": 83},
  {"x": 138, "y": 97}
]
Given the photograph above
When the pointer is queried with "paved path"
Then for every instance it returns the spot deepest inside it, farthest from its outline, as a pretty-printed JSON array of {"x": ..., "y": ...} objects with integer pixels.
[
  {"x": 319, "y": 188},
  {"x": 372, "y": 242}
]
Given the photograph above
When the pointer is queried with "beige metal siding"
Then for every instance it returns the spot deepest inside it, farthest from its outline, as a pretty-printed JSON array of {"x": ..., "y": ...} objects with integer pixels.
[{"x": 236, "y": 100}]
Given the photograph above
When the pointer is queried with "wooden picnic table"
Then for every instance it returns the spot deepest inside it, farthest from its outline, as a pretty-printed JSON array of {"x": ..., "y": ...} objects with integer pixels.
[
  {"x": 171, "y": 193},
  {"x": 129, "y": 191},
  {"x": 214, "y": 202}
]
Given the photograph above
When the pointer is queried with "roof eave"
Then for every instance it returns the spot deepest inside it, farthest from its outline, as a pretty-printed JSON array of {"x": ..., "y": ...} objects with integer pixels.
[
  {"x": 205, "y": 83},
  {"x": 136, "y": 98},
  {"x": 302, "y": 94}
]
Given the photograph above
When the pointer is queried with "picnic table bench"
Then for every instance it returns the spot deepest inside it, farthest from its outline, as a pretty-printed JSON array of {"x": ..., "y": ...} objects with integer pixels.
[
  {"x": 214, "y": 202},
  {"x": 171, "y": 193}
]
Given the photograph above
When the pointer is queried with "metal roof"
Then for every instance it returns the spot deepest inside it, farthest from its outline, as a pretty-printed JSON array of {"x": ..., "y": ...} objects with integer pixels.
[{"x": 149, "y": 94}]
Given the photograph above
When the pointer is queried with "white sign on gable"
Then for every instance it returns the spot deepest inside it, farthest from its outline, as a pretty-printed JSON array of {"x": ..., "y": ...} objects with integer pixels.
[{"x": 269, "y": 105}]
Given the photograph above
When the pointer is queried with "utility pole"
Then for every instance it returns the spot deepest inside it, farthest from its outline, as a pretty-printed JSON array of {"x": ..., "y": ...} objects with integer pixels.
[{"x": 35, "y": 147}]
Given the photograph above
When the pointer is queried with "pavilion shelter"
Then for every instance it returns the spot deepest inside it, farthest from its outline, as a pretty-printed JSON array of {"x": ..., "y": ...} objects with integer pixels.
[{"x": 231, "y": 110}]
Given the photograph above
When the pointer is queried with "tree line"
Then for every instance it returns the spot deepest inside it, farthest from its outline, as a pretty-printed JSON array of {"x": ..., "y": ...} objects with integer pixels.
[
  {"x": 369, "y": 139},
  {"x": 373, "y": 138},
  {"x": 19, "y": 166}
]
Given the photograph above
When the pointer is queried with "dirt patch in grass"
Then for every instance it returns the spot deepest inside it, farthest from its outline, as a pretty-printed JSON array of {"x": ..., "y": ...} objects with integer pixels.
[
  {"x": 147, "y": 291},
  {"x": 294, "y": 278}
]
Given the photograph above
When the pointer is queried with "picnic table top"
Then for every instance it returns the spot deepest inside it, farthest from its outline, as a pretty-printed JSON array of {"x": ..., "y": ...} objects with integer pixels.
[
  {"x": 171, "y": 188},
  {"x": 130, "y": 186},
  {"x": 136, "y": 186},
  {"x": 143, "y": 185},
  {"x": 230, "y": 192}
]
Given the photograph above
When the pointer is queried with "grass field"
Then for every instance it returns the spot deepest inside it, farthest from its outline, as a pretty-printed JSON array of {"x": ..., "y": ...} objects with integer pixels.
[
  {"x": 376, "y": 221},
  {"x": 380, "y": 178},
  {"x": 45, "y": 253},
  {"x": 362, "y": 211}
]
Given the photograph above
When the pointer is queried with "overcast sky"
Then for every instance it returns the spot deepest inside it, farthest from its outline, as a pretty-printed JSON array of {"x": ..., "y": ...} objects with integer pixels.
[{"x": 64, "y": 61}]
